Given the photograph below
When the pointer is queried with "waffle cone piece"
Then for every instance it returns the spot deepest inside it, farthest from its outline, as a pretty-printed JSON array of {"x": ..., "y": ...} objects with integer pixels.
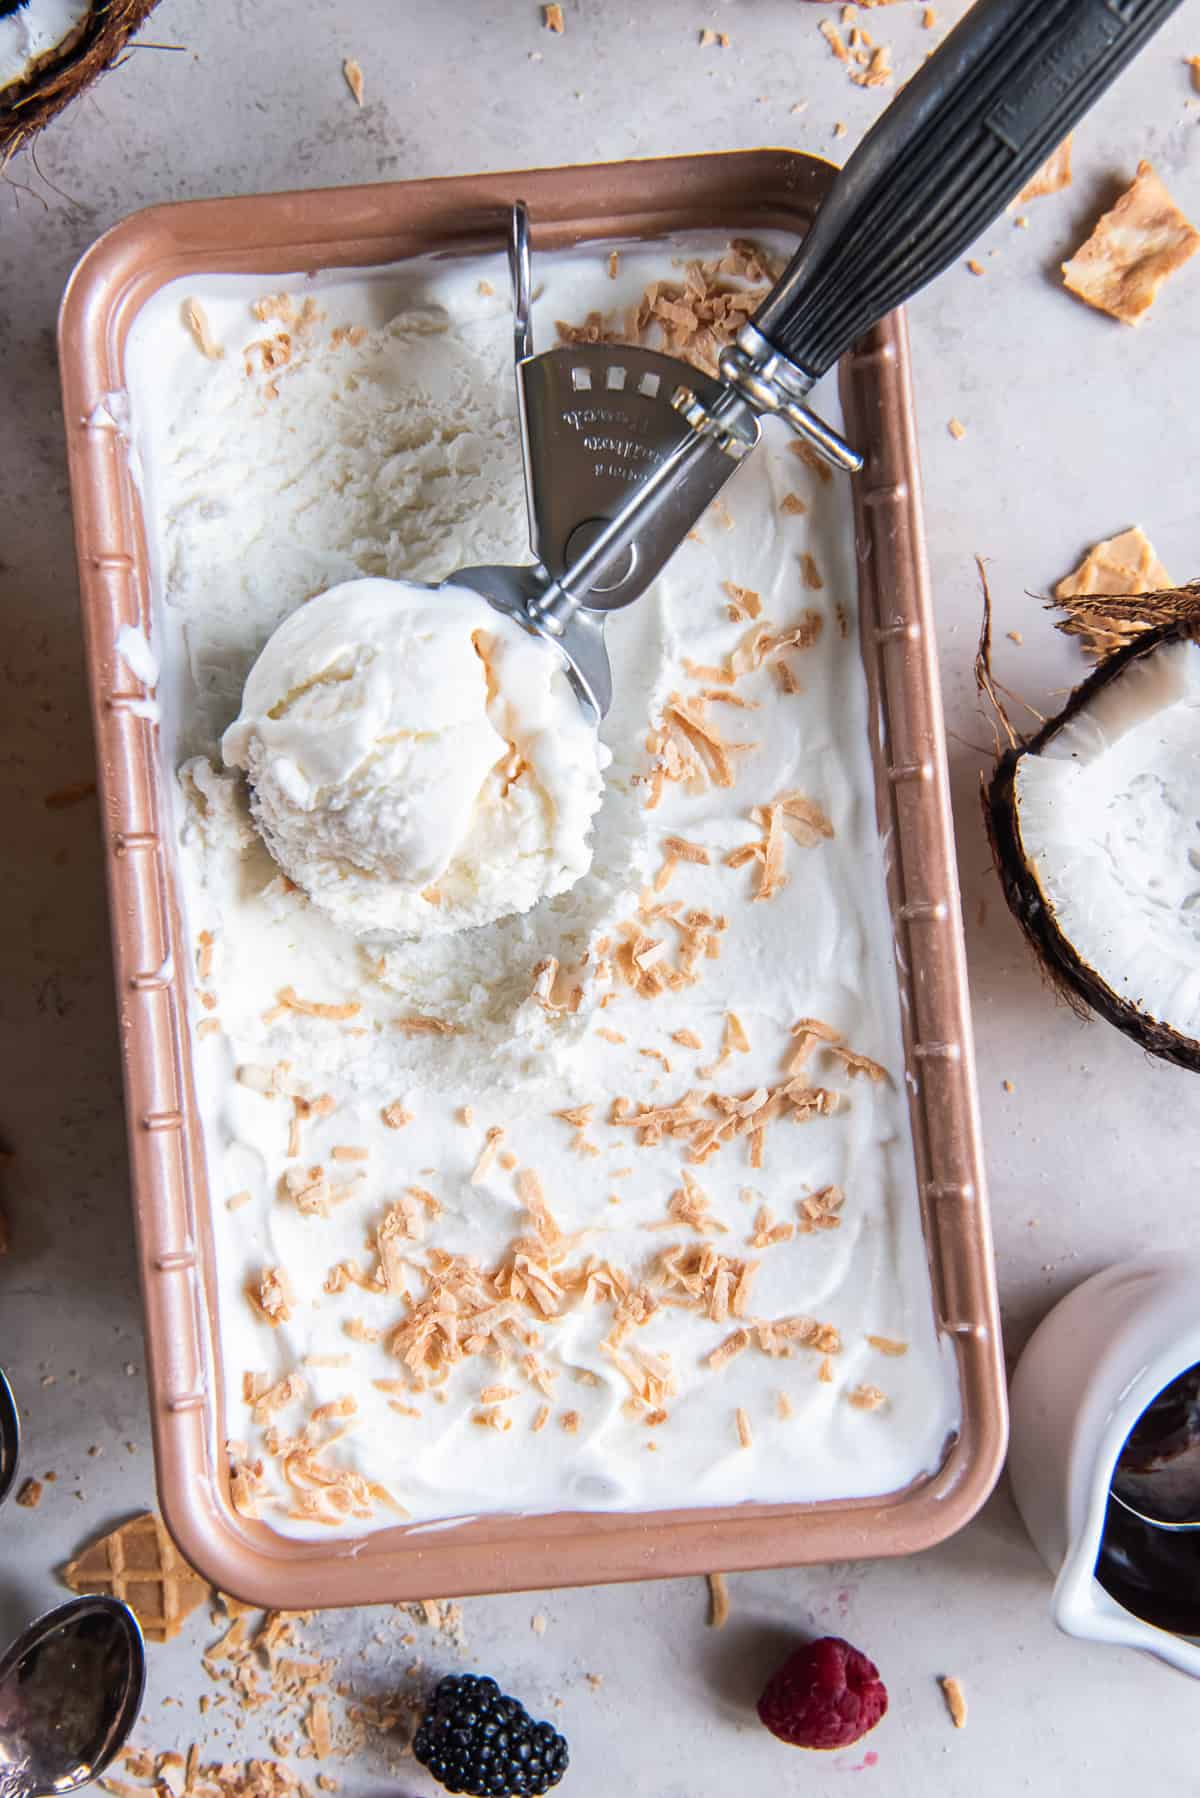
[{"x": 139, "y": 1563}]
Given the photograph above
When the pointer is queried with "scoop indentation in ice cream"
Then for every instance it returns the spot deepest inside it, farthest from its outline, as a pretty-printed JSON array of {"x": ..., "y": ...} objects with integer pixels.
[{"x": 418, "y": 763}]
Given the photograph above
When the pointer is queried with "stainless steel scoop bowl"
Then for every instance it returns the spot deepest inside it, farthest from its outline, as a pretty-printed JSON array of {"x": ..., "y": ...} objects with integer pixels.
[
  {"x": 625, "y": 448},
  {"x": 70, "y": 1691}
]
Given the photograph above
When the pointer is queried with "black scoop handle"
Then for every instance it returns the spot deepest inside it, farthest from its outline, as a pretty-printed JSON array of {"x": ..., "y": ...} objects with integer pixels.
[{"x": 962, "y": 138}]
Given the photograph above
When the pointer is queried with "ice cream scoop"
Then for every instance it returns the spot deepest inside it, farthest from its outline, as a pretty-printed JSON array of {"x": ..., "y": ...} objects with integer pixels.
[
  {"x": 417, "y": 762},
  {"x": 625, "y": 448}
]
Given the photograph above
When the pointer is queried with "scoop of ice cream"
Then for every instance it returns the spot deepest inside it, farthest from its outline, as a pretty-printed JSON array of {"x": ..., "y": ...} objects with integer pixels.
[{"x": 418, "y": 763}]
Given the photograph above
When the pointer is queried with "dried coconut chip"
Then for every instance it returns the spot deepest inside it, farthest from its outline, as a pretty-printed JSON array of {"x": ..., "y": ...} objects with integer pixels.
[
  {"x": 395, "y": 1116},
  {"x": 745, "y": 1433},
  {"x": 1132, "y": 250}
]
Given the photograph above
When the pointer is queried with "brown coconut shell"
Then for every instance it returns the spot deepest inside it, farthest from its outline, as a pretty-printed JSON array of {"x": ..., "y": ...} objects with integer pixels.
[
  {"x": 63, "y": 74},
  {"x": 1080, "y": 985}
]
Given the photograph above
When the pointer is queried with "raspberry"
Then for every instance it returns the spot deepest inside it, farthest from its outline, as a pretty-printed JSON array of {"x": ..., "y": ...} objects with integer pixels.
[{"x": 826, "y": 1695}]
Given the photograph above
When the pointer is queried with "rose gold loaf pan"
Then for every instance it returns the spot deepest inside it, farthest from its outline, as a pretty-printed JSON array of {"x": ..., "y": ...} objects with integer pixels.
[{"x": 366, "y": 226}]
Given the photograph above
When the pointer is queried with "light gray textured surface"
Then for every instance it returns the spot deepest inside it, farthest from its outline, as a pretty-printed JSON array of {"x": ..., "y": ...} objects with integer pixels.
[{"x": 1076, "y": 427}]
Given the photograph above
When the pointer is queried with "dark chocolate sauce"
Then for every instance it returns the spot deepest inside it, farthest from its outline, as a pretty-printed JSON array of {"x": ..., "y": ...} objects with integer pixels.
[{"x": 1155, "y": 1573}]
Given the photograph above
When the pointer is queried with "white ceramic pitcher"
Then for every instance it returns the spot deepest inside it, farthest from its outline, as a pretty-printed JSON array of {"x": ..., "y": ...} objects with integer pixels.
[{"x": 1087, "y": 1374}]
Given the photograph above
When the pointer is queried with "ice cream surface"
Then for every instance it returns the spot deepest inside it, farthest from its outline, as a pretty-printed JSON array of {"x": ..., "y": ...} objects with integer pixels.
[
  {"x": 418, "y": 764},
  {"x": 610, "y": 1204}
]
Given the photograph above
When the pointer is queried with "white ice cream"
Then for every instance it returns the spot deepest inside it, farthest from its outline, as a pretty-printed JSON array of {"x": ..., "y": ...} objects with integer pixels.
[
  {"x": 493, "y": 1290},
  {"x": 417, "y": 762}
]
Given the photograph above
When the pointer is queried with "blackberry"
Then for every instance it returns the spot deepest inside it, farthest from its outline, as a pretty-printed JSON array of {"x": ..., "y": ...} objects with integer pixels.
[{"x": 472, "y": 1738}]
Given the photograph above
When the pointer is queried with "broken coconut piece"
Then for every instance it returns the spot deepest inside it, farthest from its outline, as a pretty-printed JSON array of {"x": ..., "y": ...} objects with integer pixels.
[
  {"x": 1132, "y": 250},
  {"x": 1093, "y": 827},
  {"x": 1116, "y": 567},
  {"x": 139, "y": 1563},
  {"x": 50, "y": 51}
]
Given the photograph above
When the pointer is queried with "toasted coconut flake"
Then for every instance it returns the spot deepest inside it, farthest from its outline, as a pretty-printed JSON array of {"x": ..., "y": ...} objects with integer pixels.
[
  {"x": 196, "y": 320},
  {"x": 732, "y": 1345},
  {"x": 349, "y": 1152},
  {"x": 804, "y": 452},
  {"x": 888, "y": 1345},
  {"x": 686, "y": 851},
  {"x": 278, "y": 1397},
  {"x": 744, "y": 602},
  {"x": 416, "y": 1025},
  {"x": 687, "y": 1039},
  {"x": 1132, "y": 250},
  {"x": 488, "y": 1154},
  {"x": 767, "y": 1233},
  {"x": 718, "y": 1601},
  {"x": 311, "y": 1008},
  {"x": 783, "y": 1406},
  {"x": 745, "y": 1433},
  {"x": 552, "y": 16},
  {"x": 570, "y": 1422},
  {"x": 541, "y": 1418},
  {"x": 794, "y": 505},
  {"x": 866, "y": 1398},
  {"x": 272, "y": 1296},
  {"x": 819, "y": 1211},
  {"x": 856, "y": 1064},
  {"x": 956, "y": 1700},
  {"x": 310, "y": 1191},
  {"x": 236, "y": 1200},
  {"x": 810, "y": 573}
]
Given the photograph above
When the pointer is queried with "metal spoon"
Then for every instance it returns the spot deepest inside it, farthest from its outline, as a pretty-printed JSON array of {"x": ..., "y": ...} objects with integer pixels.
[
  {"x": 10, "y": 1437},
  {"x": 70, "y": 1692}
]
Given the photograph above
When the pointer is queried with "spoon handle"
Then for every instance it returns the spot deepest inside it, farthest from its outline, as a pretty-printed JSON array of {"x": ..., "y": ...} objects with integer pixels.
[{"x": 960, "y": 141}]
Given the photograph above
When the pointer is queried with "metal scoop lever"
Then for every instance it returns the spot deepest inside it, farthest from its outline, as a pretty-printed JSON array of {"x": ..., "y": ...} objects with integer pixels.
[{"x": 625, "y": 448}]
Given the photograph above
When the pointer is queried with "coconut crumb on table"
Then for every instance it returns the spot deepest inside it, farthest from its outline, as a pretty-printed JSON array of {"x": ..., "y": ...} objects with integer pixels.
[
  {"x": 888, "y": 1345},
  {"x": 957, "y": 429},
  {"x": 354, "y": 78},
  {"x": 745, "y": 1433},
  {"x": 1053, "y": 176},
  {"x": 718, "y": 1601},
  {"x": 1132, "y": 250},
  {"x": 552, "y": 18},
  {"x": 956, "y": 1700}
]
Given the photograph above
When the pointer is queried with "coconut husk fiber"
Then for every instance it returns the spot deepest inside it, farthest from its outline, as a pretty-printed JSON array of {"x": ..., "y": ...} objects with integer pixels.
[{"x": 28, "y": 105}]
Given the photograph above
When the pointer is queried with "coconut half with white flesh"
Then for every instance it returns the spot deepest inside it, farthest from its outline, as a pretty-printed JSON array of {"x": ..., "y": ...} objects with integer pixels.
[
  {"x": 50, "y": 50},
  {"x": 1095, "y": 824}
]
